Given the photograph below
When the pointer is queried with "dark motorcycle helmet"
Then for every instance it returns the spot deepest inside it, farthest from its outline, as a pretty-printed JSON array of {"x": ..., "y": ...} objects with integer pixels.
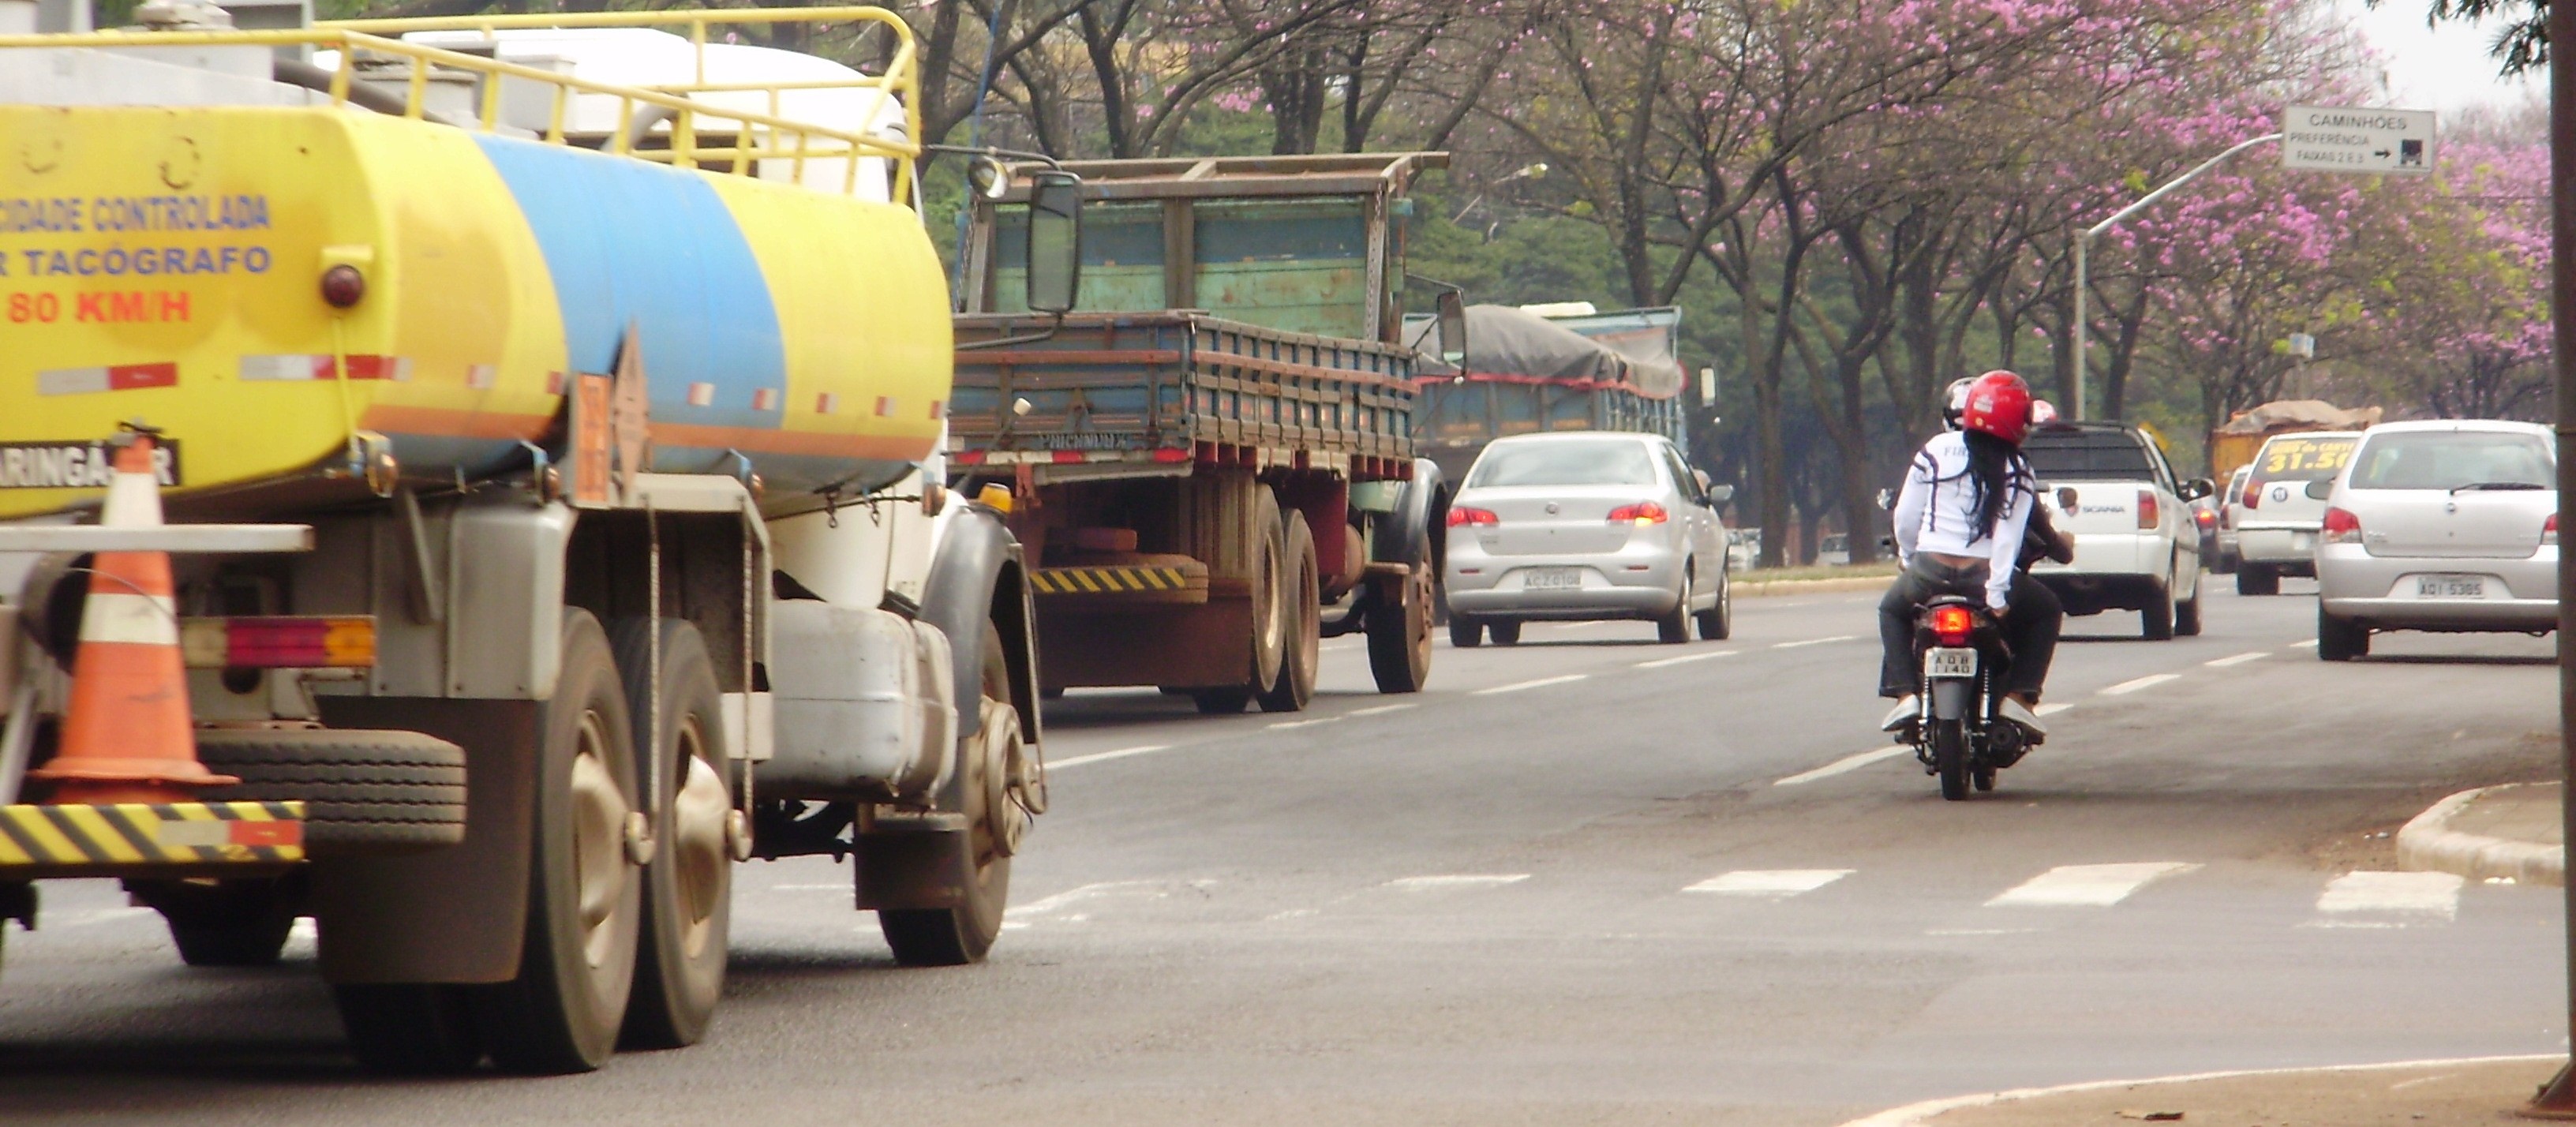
[{"x": 1954, "y": 402}]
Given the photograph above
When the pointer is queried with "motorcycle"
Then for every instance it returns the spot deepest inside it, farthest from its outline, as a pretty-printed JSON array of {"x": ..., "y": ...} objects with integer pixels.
[{"x": 1958, "y": 735}]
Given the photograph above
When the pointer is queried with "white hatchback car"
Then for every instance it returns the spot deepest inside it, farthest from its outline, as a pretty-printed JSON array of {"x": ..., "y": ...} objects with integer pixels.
[
  {"x": 2276, "y": 518},
  {"x": 1585, "y": 526},
  {"x": 2447, "y": 525}
]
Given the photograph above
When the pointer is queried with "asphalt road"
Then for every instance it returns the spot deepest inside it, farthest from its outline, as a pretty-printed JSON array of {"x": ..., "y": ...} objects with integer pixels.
[{"x": 1584, "y": 879}]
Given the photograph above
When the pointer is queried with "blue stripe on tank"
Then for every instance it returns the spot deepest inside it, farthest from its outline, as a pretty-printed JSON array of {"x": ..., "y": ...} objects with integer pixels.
[{"x": 630, "y": 241}]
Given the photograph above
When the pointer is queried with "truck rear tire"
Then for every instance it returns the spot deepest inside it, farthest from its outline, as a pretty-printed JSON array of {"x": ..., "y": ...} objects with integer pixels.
[
  {"x": 362, "y": 790},
  {"x": 1303, "y": 650},
  {"x": 1399, "y": 637},
  {"x": 577, "y": 966},
  {"x": 1271, "y": 614},
  {"x": 410, "y": 1028},
  {"x": 688, "y": 885},
  {"x": 954, "y": 936}
]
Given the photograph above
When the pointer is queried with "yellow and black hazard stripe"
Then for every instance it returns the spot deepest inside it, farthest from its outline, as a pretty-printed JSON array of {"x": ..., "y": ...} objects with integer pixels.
[
  {"x": 1108, "y": 580},
  {"x": 193, "y": 833}
]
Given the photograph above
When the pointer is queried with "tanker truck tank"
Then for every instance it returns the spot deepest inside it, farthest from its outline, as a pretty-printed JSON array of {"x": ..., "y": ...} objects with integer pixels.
[{"x": 168, "y": 267}]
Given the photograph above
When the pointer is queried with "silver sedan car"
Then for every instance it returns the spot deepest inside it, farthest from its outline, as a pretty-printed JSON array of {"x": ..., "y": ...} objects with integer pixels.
[
  {"x": 1585, "y": 526},
  {"x": 2441, "y": 525}
]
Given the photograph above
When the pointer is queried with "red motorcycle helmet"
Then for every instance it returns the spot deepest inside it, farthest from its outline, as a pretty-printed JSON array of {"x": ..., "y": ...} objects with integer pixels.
[{"x": 1998, "y": 404}]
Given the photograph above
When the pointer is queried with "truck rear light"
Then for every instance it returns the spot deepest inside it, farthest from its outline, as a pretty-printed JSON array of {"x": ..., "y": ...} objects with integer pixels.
[
  {"x": 2341, "y": 527},
  {"x": 280, "y": 642},
  {"x": 1171, "y": 454},
  {"x": 1468, "y": 514},
  {"x": 2149, "y": 515},
  {"x": 1641, "y": 514},
  {"x": 1952, "y": 625},
  {"x": 343, "y": 286}
]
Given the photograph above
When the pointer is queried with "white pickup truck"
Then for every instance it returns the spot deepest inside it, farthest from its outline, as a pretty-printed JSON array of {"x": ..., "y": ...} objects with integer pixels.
[{"x": 2135, "y": 545}]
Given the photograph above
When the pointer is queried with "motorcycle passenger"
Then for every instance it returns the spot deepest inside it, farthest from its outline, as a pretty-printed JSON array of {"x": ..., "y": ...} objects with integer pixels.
[{"x": 1960, "y": 522}]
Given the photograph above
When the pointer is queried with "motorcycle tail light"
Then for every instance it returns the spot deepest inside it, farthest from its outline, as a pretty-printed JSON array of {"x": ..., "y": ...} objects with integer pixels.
[
  {"x": 2341, "y": 527},
  {"x": 1467, "y": 514},
  {"x": 2148, "y": 515},
  {"x": 1641, "y": 514},
  {"x": 1952, "y": 625}
]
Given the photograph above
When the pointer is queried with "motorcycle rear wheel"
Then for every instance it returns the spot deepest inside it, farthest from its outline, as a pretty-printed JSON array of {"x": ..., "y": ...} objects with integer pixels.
[{"x": 1950, "y": 757}]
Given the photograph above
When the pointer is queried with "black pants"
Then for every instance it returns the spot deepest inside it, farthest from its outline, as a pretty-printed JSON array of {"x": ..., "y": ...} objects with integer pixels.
[{"x": 2030, "y": 625}]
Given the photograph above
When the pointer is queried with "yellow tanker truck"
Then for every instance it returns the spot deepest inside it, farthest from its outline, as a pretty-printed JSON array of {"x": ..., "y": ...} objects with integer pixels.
[{"x": 517, "y": 441}]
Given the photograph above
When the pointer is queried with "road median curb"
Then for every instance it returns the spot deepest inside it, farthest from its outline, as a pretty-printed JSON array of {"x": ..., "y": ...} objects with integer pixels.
[
  {"x": 2429, "y": 843},
  {"x": 2073, "y": 1103}
]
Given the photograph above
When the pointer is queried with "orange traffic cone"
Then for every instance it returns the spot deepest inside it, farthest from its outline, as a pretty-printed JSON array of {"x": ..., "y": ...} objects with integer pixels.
[{"x": 126, "y": 733}]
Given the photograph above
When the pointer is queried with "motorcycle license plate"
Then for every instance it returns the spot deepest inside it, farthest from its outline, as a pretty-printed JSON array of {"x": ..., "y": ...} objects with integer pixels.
[{"x": 1950, "y": 662}]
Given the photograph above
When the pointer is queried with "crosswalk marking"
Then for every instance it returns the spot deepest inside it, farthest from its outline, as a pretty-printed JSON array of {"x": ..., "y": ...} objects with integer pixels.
[
  {"x": 1770, "y": 884},
  {"x": 1701, "y": 656},
  {"x": 2149, "y": 681},
  {"x": 1455, "y": 880},
  {"x": 1542, "y": 682},
  {"x": 2399, "y": 894},
  {"x": 2086, "y": 886},
  {"x": 1846, "y": 763},
  {"x": 2238, "y": 659}
]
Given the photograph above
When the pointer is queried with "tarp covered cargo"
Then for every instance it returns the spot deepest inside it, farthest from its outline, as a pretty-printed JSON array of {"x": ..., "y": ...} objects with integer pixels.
[
  {"x": 2299, "y": 414},
  {"x": 1634, "y": 347}
]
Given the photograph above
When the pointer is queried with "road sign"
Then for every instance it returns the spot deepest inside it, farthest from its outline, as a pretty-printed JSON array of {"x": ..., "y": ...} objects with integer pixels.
[{"x": 2342, "y": 139}]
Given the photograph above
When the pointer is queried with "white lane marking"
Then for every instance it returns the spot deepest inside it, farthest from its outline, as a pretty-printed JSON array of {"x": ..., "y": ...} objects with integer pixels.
[
  {"x": 2412, "y": 894},
  {"x": 1920, "y": 1114},
  {"x": 1771, "y": 884},
  {"x": 1156, "y": 890},
  {"x": 1542, "y": 682},
  {"x": 1846, "y": 763},
  {"x": 1703, "y": 656},
  {"x": 843, "y": 886},
  {"x": 1104, "y": 756},
  {"x": 2086, "y": 886},
  {"x": 1980, "y": 930},
  {"x": 1290, "y": 914},
  {"x": 2051, "y": 709},
  {"x": 2238, "y": 659},
  {"x": 1383, "y": 709},
  {"x": 2304, "y": 644},
  {"x": 1813, "y": 642},
  {"x": 1455, "y": 880},
  {"x": 2149, "y": 681},
  {"x": 1302, "y": 723}
]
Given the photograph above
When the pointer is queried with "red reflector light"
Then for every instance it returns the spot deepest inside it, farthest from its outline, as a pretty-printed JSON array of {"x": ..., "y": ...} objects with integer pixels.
[
  {"x": 2342, "y": 527},
  {"x": 1067, "y": 457},
  {"x": 1465, "y": 514},
  {"x": 280, "y": 642},
  {"x": 1641, "y": 514},
  {"x": 1171, "y": 454},
  {"x": 967, "y": 457},
  {"x": 1952, "y": 625}
]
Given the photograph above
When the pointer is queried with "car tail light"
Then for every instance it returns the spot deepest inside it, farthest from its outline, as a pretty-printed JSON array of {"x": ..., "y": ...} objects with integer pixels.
[
  {"x": 2549, "y": 530},
  {"x": 1467, "y": 514},
  {"x": 1951, "y": 625},
  {"x": 279, "y": 642},
  {"x": 2253, "y": 498},
  {"x": 1641, "y": 514},
  {"x": 2149, "y": 515},
  {"x": 2342, "y": 527}
]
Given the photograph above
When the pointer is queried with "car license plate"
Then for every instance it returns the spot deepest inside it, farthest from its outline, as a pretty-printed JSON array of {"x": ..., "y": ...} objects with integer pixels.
[
  {"x": 2450, "y": 586},
  {"x": 1950, "y": 662},
  {"x": 1552, "y": 578}
]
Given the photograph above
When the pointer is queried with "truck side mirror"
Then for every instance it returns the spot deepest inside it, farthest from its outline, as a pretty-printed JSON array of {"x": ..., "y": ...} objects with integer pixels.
[
  {"x": 1453, "y": 326},
  {"x": 1055, "y": 240}
]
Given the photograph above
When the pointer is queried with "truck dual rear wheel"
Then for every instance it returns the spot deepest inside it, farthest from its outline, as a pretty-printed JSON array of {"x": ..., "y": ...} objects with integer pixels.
[
  {"x": 688, "y": 884},
  {"x": 947, "y": 937},
  {"x": 1303, "y": 646},
  {"x": 577, "y": 970}
]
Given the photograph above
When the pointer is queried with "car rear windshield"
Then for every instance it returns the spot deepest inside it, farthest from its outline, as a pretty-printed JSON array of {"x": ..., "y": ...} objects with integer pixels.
[
  {"x": 2087, "y": 455},
  {"x": 2445, "y": 459},
  {"x": 1597, "y": 461},
  {"x": 2303, "y": 457}
]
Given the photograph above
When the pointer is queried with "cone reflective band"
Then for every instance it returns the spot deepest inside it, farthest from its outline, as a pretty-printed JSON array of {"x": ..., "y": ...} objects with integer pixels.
[
  {"x": 126, "y": 735},
  {"x": 280, "y": 642}
]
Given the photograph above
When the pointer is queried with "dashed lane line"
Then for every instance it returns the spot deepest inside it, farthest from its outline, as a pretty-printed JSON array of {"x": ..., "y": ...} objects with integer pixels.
[
  {"x": 1454, "y": 880},
  {"x": 2086, "y": 886},
  {"x": 1846, "y": 763},
  {"x": 2238, "y": 659},
  {"x": 1306, "y": 723},
  {"x": 1769, "y": 884},
  {"x": 1813, "y": 641},
  {"x": 2051, "y": 709},
  {"x": 1541, "y": 683},
  {"x": 1383, "y": 709},
  {"x": 2149, "y": 681},
  {"x": 1704, "y": 655},
  {"x": 2304, "y": 644},
  {"x": 1105, "y": 756},
  {"x": 2369, "y": 898}
]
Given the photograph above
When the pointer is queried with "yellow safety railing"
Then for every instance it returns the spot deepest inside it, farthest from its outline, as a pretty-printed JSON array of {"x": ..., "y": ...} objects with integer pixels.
[{"x": 754, "y": 135}]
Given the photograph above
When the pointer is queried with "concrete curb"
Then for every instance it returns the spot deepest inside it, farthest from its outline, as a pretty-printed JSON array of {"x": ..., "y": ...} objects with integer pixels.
[
  {"x": 1917, "y": 1114},
  {"x": 1812, "y": 586},
  {"x": 2428, "y": 843}
]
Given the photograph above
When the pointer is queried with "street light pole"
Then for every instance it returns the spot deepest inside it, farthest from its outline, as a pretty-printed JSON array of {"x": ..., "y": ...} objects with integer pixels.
[
  {"x": 2084, "y": 244},
  {"x": 2558, "y": 1099}
]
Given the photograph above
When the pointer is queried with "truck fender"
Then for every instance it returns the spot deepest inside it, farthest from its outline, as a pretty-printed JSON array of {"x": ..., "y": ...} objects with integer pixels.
[
  {"x": 975, "y": 577},
  {"x": 1421, "y": 515}
]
